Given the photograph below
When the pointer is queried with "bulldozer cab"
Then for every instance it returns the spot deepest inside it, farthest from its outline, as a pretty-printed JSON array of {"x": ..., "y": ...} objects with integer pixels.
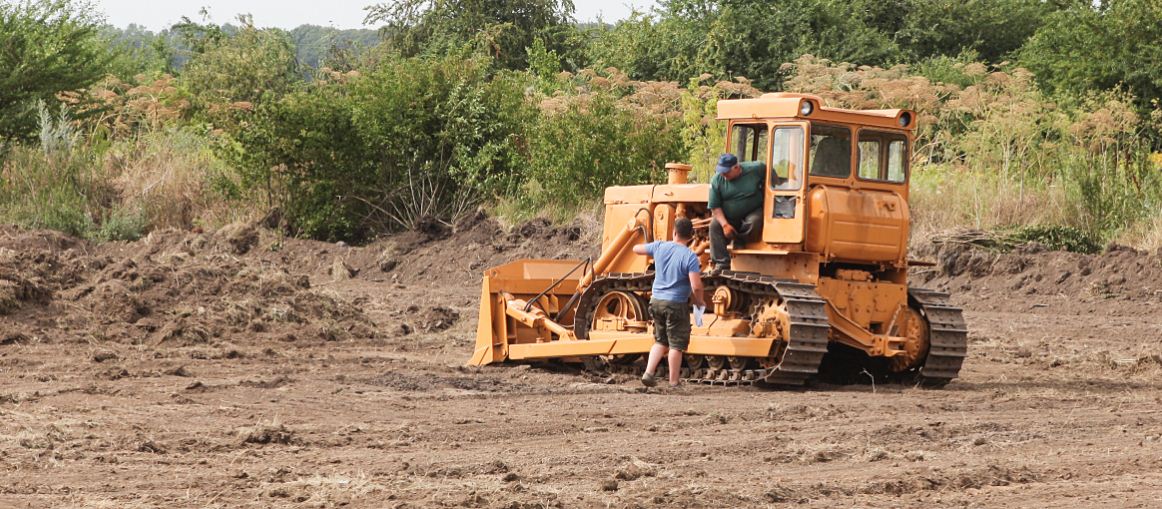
[
  {"x": 781, "y": 146},
  {"x": 836, "y": 179}
]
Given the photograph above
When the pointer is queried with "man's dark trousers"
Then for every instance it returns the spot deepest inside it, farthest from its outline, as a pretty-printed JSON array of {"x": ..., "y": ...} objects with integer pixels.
[{"x": 744, "y": 231}]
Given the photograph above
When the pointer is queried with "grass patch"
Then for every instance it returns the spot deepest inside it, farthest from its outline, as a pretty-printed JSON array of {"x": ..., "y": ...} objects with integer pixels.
[
  {"x": 119, "y": 191},
  {"x": 1057, "y": 238}
]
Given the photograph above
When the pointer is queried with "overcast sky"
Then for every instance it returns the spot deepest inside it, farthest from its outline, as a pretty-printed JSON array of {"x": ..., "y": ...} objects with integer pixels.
[{"x": 158, "y": 14}]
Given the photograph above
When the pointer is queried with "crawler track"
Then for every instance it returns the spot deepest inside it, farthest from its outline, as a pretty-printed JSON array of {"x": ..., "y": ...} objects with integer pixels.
[
  {"x": 948, "y": 337},
  {"x": 793, "y": 361}
]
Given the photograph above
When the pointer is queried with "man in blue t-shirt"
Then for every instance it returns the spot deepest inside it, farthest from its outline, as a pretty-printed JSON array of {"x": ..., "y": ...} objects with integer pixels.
[{"x": 677, "y": 277}]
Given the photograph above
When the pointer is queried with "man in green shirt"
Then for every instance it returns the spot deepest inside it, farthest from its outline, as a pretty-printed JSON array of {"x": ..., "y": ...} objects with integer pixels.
[{"x": 736, "y": 202}]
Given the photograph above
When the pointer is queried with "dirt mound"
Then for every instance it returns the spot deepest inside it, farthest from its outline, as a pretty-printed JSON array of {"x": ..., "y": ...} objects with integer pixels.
[
  {"x": 442, "y": 255},
  {"x": 33, "y": 265},
  {"x": 244, "y": 283},
  {"x": 1117, "y": 273},
  {"x": 172, "y": 287}
]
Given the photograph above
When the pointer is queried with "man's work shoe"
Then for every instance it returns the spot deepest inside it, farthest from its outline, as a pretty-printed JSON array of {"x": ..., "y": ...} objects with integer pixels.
[{"x": 648, "y": 380}]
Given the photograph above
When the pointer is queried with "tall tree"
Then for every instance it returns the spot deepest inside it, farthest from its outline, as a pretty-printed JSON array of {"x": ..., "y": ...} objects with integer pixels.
[
  {"x": 318, "y": 46},
  {"x": 237, "y": 68},
  {"x": 1088, "y": 47},
  {"x": 46, "y": 47},
  {"x": 750, "y": 38},
  {"x": 992, "y": 29},
  {"x": 504, "y": 28}
]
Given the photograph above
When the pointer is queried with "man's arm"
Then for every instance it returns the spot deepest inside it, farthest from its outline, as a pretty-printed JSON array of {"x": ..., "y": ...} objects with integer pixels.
[
  {"x": 721, "y": 218},
  {"x": 696, "y": 289},
  {"x": 714, "y": 203},
  {"x": 644, "y": 249}
]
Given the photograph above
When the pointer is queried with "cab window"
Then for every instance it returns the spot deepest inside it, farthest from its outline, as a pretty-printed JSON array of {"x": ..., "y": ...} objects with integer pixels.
[
  {"x": 830, "y": 151},
  {"x": 897, "y": 160},
  {"x": 869, "y": 158},
  {"x": 787, "y": 158},
  {"x": 883, "y": 156},
  {"x": 748, "y": 142}
]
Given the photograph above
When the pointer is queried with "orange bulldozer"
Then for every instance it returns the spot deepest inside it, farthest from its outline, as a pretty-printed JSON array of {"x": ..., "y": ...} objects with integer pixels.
[{"x": 825, "y": 284}]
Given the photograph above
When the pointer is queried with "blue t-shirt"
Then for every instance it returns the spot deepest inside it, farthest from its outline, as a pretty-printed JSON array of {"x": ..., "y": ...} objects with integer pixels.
[{"x": 673, "y": 263}]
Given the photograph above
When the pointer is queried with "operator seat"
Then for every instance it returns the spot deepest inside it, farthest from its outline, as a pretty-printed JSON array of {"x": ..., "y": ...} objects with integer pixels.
[{"x": 832, "y": 158}]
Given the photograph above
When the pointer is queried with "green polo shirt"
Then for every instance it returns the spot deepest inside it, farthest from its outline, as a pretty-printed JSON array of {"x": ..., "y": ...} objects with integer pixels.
[{"x": 740, "y": 196}]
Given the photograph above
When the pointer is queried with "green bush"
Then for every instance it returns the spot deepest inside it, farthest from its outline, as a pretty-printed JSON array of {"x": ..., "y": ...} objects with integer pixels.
[
  {"x": 593, "y": 144},
  {"x": 1099, "y": 46},
  {"x": 234, "y": 73},
  {"x": 46, "y": 47},
  {"x": 304, "y": 155},
  {"x": 1110, "y": 194},
  {"x": 503, "y": 29},
  {"x": 54, "y": 192},
  {"x": 411, "y": 140},
  {"x": 55, "y": 185},
  {"x": 57, "y": 208},
  {"x": 121, "y": 224},
  {"x": 1058, "y": 238}
]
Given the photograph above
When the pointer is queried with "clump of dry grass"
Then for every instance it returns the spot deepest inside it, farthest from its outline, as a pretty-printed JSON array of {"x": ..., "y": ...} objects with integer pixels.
[
  {"x": 1145, "y": 234},
  {"x": 943, "y": 198},
  {"x": 174, "y": 180},
  {"x": 267, "y": 433}
]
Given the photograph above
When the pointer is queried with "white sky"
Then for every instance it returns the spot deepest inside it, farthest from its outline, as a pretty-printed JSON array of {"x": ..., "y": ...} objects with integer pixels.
[{"x": 159, "y": 14}]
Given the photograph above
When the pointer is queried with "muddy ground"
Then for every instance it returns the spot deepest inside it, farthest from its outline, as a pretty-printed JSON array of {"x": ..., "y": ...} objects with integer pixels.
[{"x": 241, "y": 369}]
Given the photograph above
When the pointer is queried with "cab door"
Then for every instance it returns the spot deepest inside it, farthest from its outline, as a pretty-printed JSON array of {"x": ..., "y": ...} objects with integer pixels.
[{"x": 784, "y": 203}]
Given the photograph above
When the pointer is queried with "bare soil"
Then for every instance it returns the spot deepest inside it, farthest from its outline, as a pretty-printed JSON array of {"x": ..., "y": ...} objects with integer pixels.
[{"x": 241, "y": 369}]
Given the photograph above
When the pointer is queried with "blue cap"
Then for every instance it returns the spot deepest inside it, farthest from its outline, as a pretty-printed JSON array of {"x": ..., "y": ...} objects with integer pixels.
[{"x": 726, "y": 163}]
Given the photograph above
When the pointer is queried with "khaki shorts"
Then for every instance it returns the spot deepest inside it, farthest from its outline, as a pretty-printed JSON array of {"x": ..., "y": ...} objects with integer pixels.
[{"x": 671, "y": 323}]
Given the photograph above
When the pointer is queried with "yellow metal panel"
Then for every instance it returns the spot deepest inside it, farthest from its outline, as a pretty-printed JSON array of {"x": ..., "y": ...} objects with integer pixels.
[
  {"x": 760, "y": 108},
  {"x": 641, "y": 342},
  {"x": 786, "y": 105},
  {"x": 801, "y": 267},
  {"x": 684, "y": 193},
  {"x": 628, "y": 194},
  {"x": 857, "y": 225},
  {"x": 663, "y": 222},
  {"x": 518, "y": 275},
  {"x": 560, "y": 349},
  {"x": 864, "y": 302},
  {"x": 486, "y": 334},
  {"x": 742, "y": 347}
]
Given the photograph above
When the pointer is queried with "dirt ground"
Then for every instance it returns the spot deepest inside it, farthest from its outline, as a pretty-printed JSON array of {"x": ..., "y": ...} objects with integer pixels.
[{"x": 241, "y": 369}]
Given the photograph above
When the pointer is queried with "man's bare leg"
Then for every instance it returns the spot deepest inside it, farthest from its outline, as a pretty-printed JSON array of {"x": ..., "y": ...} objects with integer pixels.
[
  {"x": 657, "y": 352},
  {"x": 675, "y": 365}
]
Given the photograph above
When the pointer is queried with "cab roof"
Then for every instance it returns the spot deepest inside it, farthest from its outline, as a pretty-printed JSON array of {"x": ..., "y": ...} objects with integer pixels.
[{"x": 792, "y": 105}]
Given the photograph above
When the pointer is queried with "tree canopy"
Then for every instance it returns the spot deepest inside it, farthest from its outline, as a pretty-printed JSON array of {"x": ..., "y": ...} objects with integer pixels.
[
  {"x": 503, "y": 28},
  {"x": 1115, "y": 44},
  {"x": 46, "y": 47}
]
